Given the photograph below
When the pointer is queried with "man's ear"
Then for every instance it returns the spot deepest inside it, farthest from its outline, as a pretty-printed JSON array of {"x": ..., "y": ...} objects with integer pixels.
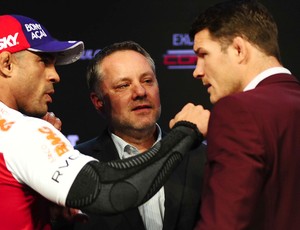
[
  {"x": 98, "y": 103},
  {"x": 5, "y": 63},
  {"x": 240, "y": 46}
]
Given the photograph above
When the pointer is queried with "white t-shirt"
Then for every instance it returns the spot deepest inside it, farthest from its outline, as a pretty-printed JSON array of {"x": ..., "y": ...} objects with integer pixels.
[{"x": 34, "y": 155}]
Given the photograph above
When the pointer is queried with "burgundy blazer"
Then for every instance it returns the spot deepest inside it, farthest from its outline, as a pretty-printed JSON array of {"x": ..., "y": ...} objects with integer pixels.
[
  {"x": 182, "y": 191},
  {"x": 253, "y": 169}
]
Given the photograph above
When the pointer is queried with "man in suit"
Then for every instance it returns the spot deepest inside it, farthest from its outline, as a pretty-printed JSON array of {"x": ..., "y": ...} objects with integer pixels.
[
  {"x": 124, "y": 89},
  {"x": 253, "y": 155}
]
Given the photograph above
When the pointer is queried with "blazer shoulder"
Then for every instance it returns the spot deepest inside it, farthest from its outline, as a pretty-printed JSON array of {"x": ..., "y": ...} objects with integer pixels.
[{"x": 87, "y": 143}]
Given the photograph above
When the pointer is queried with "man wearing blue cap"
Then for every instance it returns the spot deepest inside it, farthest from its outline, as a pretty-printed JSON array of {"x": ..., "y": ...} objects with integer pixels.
[{"x": 37, "y": 162}]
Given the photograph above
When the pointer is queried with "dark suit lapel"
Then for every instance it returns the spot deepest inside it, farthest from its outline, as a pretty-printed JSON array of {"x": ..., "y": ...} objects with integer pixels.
[
  {"x": 174, "y": 189},
  {"x": 108, "y": 152},
  {"x": 105, "y": 148}
]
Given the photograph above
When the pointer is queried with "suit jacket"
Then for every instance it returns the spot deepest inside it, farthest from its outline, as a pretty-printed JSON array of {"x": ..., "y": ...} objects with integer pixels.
[
  {"x": 253, "y": 159},
  {"x": 182, "y": 191}
]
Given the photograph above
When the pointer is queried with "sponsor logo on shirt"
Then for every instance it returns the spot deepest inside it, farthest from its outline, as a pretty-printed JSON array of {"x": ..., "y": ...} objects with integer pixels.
[
  {"x": 5, "y": 125},
  {"x": 60, "y": 146}
]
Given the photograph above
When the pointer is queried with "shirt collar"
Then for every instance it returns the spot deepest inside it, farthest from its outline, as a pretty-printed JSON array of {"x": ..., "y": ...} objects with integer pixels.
[
  {"x": 121, "y": 144},
  {"x": 265, "y": 74}
]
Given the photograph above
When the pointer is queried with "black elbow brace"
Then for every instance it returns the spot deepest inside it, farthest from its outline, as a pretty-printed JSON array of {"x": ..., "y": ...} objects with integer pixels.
[{"x": 116, "y": 186}]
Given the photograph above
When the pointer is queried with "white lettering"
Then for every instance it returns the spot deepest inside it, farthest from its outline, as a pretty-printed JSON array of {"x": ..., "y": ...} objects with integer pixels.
[
  {"x": 38, "y": 34},
  {"x": 8, "y": 41},
  {"x": 31, "y": 27},
  {"x": 36, "y": 30}
]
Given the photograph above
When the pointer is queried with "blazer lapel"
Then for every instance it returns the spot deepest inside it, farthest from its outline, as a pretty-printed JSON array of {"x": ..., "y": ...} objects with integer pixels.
[
  {"x": 174, "y": 189},
  {"x": 105, "y": 148},
  {"x": 108, "y": 152}
]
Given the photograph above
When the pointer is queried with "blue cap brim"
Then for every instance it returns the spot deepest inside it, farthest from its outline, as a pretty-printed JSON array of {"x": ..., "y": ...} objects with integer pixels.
[{"x": 66, "y": 52}]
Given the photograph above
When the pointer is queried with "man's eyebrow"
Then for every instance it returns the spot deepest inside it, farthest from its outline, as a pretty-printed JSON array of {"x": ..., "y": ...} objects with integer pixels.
[{"x": 198, "y": 50}]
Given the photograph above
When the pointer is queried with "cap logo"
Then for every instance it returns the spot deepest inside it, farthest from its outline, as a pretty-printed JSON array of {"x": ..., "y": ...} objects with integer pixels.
[
  {"x": 36, "y": 30},
  {"x": 20, "y": 33},
  {"x": 8, "y": 41}
]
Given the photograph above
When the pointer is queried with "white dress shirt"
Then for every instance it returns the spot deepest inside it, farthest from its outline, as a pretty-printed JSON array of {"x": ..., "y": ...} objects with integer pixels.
[{"x": 152, "y": 211}]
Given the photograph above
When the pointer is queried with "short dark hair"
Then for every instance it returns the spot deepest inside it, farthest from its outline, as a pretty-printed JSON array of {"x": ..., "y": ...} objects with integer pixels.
[{"x": 246, "y": 18}]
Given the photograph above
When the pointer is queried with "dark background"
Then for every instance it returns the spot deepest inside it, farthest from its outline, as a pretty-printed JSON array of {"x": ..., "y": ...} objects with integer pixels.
[{"x": 158, "y": 25}]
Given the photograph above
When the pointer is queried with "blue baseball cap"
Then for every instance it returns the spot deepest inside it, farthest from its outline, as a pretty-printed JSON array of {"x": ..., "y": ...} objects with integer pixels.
[{"x": 19, "y": 33}]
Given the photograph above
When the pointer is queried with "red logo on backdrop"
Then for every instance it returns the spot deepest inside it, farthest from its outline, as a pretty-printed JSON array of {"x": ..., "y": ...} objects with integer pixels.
[{"x": 180, "y": 59}]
